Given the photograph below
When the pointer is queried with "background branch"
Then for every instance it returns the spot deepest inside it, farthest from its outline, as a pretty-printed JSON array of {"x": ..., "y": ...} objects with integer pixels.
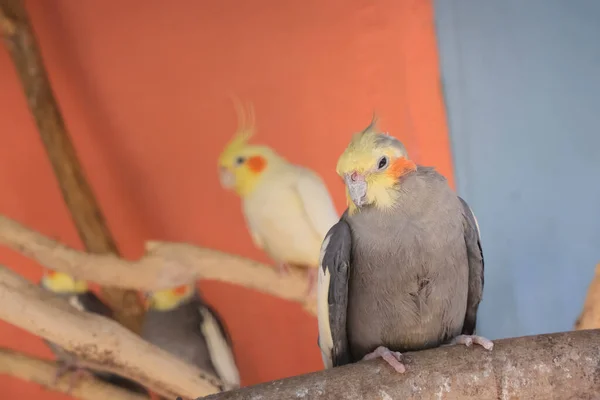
[
  {"x": 556, "y": 366},
  {"x": 164, "y": 265},
  {"x": 77, "y": 193},
  {"x": 42, "y": 372},
  {"x": 590, "y": 315},
  {"x": 99, "y": 342}
]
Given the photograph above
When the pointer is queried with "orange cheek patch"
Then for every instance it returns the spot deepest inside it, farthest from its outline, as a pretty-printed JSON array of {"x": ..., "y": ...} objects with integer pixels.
[
  {"x": 401, "y": 167},
  {"x": 180, "y": 290},
  {"x": 51, "y": 273},
  {"x": 256, "y": 164}
]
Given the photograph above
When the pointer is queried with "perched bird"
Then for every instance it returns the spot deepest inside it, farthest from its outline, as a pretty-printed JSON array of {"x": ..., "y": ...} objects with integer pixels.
[
  {"x": 78, "y": 295},
  {"x": 287, "y": 207},
  {"x": 180, "y": 322},
  {"x": 402, "y": 270}
]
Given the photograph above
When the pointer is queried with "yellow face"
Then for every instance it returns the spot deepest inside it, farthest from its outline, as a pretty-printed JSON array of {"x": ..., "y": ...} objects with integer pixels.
[
  {"x": 59, "y": 282},
  {"x": 241, "y": 166},
  {"x": 170, "y": 298},
  {"x": 371, "y": 166}
]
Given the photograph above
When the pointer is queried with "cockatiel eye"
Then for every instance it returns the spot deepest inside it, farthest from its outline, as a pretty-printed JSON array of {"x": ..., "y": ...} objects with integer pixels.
[
  {"x": 383, "y": 162},
  {"x": 240, "y": 160}
]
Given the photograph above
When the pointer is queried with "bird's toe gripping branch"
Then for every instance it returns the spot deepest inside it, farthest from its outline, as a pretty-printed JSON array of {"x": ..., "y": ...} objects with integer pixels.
[
  {"x": 468, "y": 340},
  {"x": 391, "y": 357},
  {"x": 77, "y": 373}
]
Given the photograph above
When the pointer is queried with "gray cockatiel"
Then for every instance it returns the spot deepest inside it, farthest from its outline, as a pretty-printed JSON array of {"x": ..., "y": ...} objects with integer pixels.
[
  {"x": 402, "y": 270},
  {"x": 180, "y": 322},
  {"x": 77, "y": 294}
]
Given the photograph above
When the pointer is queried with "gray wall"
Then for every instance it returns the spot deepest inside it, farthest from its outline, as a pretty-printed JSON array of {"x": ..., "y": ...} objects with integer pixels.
[{"x": 522, "y": 87}]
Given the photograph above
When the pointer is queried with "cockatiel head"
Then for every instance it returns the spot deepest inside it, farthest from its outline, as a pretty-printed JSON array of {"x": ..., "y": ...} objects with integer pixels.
[
  {"x": 242, "y": 165},
  {"x": 371, "y": 166},
  {"x": 59, "y": 282},
  {"x": 168, "y": 299}
]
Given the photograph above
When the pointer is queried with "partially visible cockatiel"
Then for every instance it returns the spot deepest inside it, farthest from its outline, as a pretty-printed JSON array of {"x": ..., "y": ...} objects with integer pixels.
[
  {"x": 78, "y": 295},
  {"x": 287, "y": 207},
  {"x": 402, "y": 270},
  {"x": 180, "y": 322}
]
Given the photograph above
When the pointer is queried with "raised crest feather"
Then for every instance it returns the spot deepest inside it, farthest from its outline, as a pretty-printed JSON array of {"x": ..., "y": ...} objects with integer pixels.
[{"x": 246, "y": 126}]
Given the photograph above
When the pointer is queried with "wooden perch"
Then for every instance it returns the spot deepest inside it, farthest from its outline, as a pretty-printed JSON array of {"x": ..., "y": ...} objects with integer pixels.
[
  {"x": 590, "y": 316},
  {"x": 99, "y": 342},
  {"x": 555, "y": 366},
  {"x": 164, "y": 265},
  {"x": 42, "y": 372},
  {"x": 87, "y": 215}
]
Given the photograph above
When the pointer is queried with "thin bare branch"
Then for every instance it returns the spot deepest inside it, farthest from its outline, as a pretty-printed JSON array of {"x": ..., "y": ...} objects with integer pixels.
[
  {"x": 99, "y": 342},
  {"x": 42, "y": 372},
  {"x": 164, "y": 265}
]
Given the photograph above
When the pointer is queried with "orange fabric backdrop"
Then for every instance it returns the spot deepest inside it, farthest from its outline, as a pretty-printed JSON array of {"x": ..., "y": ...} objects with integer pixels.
[{"x": 143, "y": 86}]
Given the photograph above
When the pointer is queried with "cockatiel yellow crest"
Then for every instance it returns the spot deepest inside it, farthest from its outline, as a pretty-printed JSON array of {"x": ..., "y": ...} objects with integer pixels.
[
  {"x": 371, "y": 166},
  {"x": 287, "y": 207}
]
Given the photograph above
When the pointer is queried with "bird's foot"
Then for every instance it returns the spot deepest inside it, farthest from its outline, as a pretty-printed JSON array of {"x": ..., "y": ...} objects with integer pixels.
[
  {"x": 76, "y": 376},
  {"x": 77, "y": 373},
  {"x": 311, "y": 289},
  {"x": 468, "y": 340},
  {"x": 391, "y": 357},
  {"x": 62, "y": 369},
  {"x": 283, "y": 269}
]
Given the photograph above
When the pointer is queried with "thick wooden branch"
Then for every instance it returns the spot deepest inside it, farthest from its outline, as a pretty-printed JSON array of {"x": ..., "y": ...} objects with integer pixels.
[
  {"x": 79, "y": 197},
  {"x": 99, "y": 342},
  {"x": 590, "y": 315},
  {"x": 42, "y": 372},
  {"x": 556, "y": 366},
  {"x": 164, "y": 265}
]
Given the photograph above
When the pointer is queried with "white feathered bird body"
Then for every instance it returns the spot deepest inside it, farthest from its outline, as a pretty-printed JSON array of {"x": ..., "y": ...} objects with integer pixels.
[{"x": 289, "y": 213}]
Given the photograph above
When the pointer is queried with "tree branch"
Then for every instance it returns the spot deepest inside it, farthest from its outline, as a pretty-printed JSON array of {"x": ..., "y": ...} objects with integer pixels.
[
  {"x": 42, "y": 372},
  {"x": 556, "y": 366},
  {"x": 164, "y": 265},
  {"x": 77, "y": 193},
  {"x": 99, "y": 342},
  {"x": 590, "y": 315}
]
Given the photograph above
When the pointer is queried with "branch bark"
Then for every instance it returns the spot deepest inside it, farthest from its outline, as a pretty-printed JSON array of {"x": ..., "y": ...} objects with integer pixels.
[
  {"x": 99, "y": 342},
  {"x": 42, "y": 372},
  {"x": 79, "y": 197},
  {"x": 164, "y": 265},
  {"x": 590, "y": 315},
  {"x": 555, "y": 366}
]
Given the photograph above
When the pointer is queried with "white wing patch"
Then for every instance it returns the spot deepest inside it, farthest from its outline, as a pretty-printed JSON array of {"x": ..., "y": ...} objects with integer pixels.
[
  {"x": 476, "y": 223},
  {"x": 325, "y": 337},
  {"x": 74, "y": 302},
  {"x": 220, "y": 352}
]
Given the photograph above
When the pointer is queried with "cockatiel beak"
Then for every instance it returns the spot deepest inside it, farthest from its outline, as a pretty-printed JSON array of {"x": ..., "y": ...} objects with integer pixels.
[
  {"x": 357, "y": 188},
  {"x": 226, "y": 177}
]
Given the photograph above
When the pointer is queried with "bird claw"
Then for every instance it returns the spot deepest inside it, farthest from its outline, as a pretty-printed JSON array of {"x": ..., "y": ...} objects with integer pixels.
[
  {"x": 283, "y": 269},
  {"x": 468, "y": 341},
  {"x": 391, "y": 357},
  {"x": 77, "y": 373}
]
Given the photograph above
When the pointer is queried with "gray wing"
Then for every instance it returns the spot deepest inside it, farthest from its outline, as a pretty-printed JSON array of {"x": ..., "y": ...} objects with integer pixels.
[
  {"x": 332, "y": 296},
  {"x": 476, "y": 267}
]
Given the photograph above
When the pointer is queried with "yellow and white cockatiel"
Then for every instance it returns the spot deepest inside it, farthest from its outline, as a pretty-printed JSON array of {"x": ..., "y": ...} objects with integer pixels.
[{"x": 287, "y": 208}]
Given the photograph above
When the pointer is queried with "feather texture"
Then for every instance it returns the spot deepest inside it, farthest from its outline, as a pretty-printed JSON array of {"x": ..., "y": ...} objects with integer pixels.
[
  {"x": 289, "y": 213},
  {"x": 415, "y": 273},
  {"x": 194, "y": 332}
]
